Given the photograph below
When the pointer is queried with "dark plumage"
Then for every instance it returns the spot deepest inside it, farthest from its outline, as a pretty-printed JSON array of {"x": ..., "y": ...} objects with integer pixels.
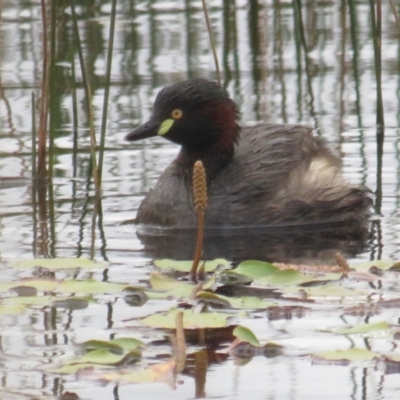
[{"x": 266, "y": 175}]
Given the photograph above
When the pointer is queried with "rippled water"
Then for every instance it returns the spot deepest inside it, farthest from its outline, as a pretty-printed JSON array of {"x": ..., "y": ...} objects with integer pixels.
[{"x": 262, "y": 55}]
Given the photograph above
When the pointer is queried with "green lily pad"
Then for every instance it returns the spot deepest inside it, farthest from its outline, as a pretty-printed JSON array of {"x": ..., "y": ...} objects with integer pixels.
[
  {"x": 12, "y": 309},
  {"x": 364, "y": 328},
  {"x": 354, "y": 354},
  {"x": 90, "y": 286},
  {"x": 185, "y": 266},
  {"x": 115, "y": 346},
  {"x": 91, "y": 345},
  {"x": 71, "y": 369},
  {"x": 166, "y": 287},
  {"x": 244, "y": 302},
  {"x": 43, "y": 285},
  {"x": 288, "y": 277},
  {"x": 191, "y": 320},
  {"x": 4, "y": 287},
  {"x": 30, "y": 300},
  {"x": 328, "y": 290},
  {"x": 255, "y": 269},
  {"x": 365, "y": 266},
  {"x": 246, "y": 335},
  {"x": 59, "y": 263},
  {"x": 127, "y": 343},
  {"x": 163, "y": 282},
  {"x": 153, "y": 373},
  {"x": 99, "y": 356}
]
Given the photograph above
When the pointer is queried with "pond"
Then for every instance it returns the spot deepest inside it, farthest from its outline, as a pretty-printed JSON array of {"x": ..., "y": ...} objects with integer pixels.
[{"x": 292, "y": 62}]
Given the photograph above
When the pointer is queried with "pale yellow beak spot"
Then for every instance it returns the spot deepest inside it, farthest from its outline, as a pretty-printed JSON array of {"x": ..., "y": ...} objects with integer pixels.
[{"x": 165, "y": 127}]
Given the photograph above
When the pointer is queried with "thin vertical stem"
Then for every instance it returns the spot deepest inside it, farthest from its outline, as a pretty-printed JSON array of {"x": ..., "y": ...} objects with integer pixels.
[
  {"x": 43, "y": 100},
  {"x": 107, "y": 89},
  {"x": 376, "y": 21},
  {"x": 88, "y": 99},
  {"x": 394, "y": 11},
  {"x": 34, "y": 177},
  {"x": 199, "y": 243},
  {"x": 33, "y": 157},
  {"x": 217, "y": 70},
  {"x": 52, "y": 83}
]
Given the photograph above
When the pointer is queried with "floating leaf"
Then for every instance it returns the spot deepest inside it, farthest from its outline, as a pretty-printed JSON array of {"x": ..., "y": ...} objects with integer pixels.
[
  {"x": 127, "y": 343},
  {"x": 327, "y": 291},
  {"x": 286, "y": 277},
  {"x": 58, "y": 263},
  {"x": 99, "y": 356},
  {"x": 244, "y": 302},
  {"x": 30, "y": 300},
  {"x": 246, "y": 335},
  {"x": 91, "y": 345},
  {"x": 12, "y": 309},
  {"x": 250, "y": 302},
  {"x": 365, "y": 266},
  {"x": 167, "y": 287},
  {"x": 90, "y": 286},
  {"x": 185, "y": 266},
  {"x": 364, "y": 328},
  {"x": 213, "y": 299},
  {"x": 153, "y": 373},
  {"x": 255, "y": 269},
  {"x": 191, "y": 320},
  {"x": 354, "y": 354},
  {"x": 159, "y": 281},
  {"x": 4, "y": 287},
  {"x": 43, "y": 285},
  {"x": 74, "y": 368}
]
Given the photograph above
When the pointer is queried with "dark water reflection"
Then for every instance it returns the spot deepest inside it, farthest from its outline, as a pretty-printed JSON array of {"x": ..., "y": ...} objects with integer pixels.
[
  {"x": 300, "y": 244},
  {"x": 286, "y": 62}
]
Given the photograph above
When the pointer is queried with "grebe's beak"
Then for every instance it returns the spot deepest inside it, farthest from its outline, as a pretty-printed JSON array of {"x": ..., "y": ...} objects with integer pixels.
[{"x": 147, "y": 130}]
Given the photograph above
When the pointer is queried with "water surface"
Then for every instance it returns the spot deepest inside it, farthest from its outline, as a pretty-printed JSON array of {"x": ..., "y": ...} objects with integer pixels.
[{"x": 317, "y": 70}]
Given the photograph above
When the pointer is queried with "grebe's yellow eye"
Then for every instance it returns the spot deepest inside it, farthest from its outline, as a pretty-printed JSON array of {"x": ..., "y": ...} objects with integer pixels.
[{"x": 177, "y": 113}]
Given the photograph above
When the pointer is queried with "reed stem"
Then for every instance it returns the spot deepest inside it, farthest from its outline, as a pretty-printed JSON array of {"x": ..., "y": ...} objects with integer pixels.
[
  {"x": 107, "y": 88},
  {"x": 88, "y": 99},
  {"x": 210, "y": 34}
]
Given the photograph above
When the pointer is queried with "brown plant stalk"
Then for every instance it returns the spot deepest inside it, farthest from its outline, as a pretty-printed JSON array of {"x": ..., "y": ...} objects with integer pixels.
[{"x": 200, "y": 204}]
